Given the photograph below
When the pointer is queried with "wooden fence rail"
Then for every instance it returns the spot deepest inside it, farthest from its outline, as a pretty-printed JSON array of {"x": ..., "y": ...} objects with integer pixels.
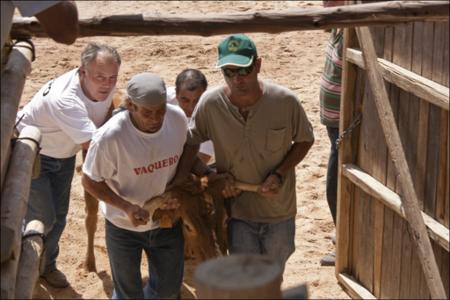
[
  {"x": 379, "y": 13},
  {"x": 12, "y": 82},
  {"x": 379, "y": 191},
  {"x": 417, "y": 85}
]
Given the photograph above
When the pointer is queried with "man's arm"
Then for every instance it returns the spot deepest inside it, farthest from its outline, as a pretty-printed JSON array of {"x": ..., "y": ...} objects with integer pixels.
[
  {"x": 60, "y": 21},
  {"x": 100, "y": 190},
  {"x": 187, "y": 161},
  {"x": 295, "y": 155}
]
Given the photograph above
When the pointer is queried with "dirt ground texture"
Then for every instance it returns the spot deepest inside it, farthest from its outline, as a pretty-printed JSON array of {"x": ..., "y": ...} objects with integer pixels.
[{"x": 292, "y": 59}]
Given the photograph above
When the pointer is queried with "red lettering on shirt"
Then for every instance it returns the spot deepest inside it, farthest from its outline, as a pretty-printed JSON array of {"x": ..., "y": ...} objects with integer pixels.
[{"x": 164, "y": 163}]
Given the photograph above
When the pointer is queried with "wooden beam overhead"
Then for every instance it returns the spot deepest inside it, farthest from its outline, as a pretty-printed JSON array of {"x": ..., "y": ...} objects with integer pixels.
[{"x": 378, "y": 13}]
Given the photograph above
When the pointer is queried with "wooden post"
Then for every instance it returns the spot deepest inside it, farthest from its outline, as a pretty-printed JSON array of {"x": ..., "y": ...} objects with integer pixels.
[
  {"x": 13, "y": 77},
  {"x": 8, "y": 274},
  {"x": 16, "y": 190},
  {"x": 239, "y": 277},
  {"x": 411, "y": 204},
  {"x": 349, "y": 107},
  {"x": 28, "y": 270},
  {"x": 378, "y": 13}
]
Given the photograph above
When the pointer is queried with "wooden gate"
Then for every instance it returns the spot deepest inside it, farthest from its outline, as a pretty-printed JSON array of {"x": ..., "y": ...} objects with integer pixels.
[{"x": 375, "y": 254}]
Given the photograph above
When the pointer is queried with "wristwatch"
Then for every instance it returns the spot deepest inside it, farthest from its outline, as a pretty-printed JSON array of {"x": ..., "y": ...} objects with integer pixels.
[{"x": 278, "y": 175}]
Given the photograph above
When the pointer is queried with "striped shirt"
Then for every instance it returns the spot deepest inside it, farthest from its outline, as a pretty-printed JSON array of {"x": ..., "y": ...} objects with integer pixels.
[{"x": 330, "y": 83}]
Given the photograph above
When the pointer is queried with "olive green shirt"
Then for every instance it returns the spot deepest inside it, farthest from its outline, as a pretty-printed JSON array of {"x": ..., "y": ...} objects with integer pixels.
[{"x": 250, "y": 149}]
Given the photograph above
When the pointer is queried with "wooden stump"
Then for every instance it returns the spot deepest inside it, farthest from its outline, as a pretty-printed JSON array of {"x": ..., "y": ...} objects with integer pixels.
[
  {"x": 241, "y": 276},
  {"x": 28, "y": 270}
]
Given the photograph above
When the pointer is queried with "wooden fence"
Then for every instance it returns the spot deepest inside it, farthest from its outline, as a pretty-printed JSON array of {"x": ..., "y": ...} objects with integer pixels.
[{"x": 378, "y": 254}]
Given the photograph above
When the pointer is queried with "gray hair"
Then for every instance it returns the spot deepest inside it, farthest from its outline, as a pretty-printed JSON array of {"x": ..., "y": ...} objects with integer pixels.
[
  {"x": 92, "y": 49},
  {"x": 191, "y": 79}
]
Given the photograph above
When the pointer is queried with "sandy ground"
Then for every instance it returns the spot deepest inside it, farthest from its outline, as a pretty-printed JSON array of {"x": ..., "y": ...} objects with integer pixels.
[{"x": 293, "y": 59}]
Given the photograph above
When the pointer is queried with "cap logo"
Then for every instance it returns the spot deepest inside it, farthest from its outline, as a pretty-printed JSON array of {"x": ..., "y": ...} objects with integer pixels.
[{"x": 233, "y": 46}]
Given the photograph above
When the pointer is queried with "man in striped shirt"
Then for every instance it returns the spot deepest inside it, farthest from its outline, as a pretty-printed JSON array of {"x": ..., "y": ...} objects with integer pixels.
[{"x": 330, "y": 99}]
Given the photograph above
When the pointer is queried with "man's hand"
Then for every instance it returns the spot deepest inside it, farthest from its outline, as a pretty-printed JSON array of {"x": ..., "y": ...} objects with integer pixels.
[
  {"x": 271, "y": 186},
  {"x": 225, "y": 182},
  {"x": 137, "y": 215}
]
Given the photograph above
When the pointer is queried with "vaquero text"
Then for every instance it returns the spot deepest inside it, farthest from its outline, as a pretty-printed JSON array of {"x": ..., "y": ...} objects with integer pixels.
[{"x": 156, "y": 165}]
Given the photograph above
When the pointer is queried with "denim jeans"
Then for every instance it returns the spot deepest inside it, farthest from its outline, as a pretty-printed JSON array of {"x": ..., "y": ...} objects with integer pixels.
[
  {"x": 49, "y": 202},
  {"x": 165, "y": 253},
  {"x": 333, "y": 134},
  {"x": 273, "y": 239}
]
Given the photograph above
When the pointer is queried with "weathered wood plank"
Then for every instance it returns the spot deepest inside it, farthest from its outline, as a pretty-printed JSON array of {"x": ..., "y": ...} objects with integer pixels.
[
  {"x": 346, "y": 155},
  {"x": 390, "y": 199},
  {"x": 439, "y": 71},
  {"x": 272, "y": 22},
  {"x": 404, "y": 59},
  {"x": 387, "y": 258},
  {"x": 442, "y": 180},
  {"x": 419, "y": 234},
  {"x": 353, "y": 288},
  {"x": 419, "y": 86},
  {"x": 356, "y": 260},
  {"x": 416, "y": 160},
  {"x": 405, "y": 264}
]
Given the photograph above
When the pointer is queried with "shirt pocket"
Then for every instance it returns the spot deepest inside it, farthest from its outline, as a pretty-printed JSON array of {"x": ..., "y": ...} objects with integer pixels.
[{"x": 275, "y": 139}]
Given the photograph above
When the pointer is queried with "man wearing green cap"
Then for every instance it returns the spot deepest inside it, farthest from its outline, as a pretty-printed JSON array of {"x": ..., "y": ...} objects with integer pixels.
[
  {"x": 260, "y": 133},
  {"x": 130, "y": 160}
]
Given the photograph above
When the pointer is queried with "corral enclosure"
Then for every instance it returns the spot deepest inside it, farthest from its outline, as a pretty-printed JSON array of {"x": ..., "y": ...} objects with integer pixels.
[
  {"x": 376, "y": 248},
  {"x": 380, "y": 255},
  {"x": 294, "y": 59}
]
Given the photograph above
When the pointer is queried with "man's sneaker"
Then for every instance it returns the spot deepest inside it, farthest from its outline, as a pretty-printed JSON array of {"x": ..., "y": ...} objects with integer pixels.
[
  {"x": 328, "y": 260},
  {"x": 56, "y": 279}
]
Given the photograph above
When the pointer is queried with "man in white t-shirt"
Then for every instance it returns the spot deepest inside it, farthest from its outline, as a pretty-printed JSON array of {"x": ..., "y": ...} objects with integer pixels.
[
  {"x": 190, "y": 84},
  {"x": 67, "y": 110},
  {"x": 130, "y": 160}
]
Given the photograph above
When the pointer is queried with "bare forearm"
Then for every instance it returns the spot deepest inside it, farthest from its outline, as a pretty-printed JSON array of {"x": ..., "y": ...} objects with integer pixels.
[
  {"x": 188, "y": 159},
  {"x": 295, "y": 155},
  {"x": 101, "y": 191}
]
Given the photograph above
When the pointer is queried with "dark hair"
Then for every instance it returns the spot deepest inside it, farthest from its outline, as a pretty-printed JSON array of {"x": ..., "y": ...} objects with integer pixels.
[
  {"x": 191, "y": 79},
  {"x": 92, "y": 49}
]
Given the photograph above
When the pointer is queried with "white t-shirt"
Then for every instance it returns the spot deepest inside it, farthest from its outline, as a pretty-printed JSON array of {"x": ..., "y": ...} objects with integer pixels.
[
  {"x": 65, "y": 116},
  {"x": 205, "y": 147},
  {"x": 26, "y": 8},
  {"x": 134, "y": 164}
]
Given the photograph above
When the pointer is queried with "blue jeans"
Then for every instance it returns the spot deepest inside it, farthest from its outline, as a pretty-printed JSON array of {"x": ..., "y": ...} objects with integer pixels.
[
  {"x": 333, "y": 134},
  {"x": 273, "y": 239},
  {"x": 49, "y": 202},
  {"x": 165, "y": 253}
]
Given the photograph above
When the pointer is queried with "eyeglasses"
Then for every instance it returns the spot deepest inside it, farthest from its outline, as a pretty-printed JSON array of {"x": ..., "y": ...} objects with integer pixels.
[{"x": 240, "y": 71}]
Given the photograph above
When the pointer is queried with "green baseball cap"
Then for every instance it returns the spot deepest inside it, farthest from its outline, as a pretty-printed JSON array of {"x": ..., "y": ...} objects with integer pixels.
[{"x": 236, "y": 50}]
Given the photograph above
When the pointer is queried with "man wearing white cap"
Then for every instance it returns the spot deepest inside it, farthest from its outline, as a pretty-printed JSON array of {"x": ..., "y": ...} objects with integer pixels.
[
  {"x": 260, "y": 133},
  {"x": 130, "y": 160}
]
